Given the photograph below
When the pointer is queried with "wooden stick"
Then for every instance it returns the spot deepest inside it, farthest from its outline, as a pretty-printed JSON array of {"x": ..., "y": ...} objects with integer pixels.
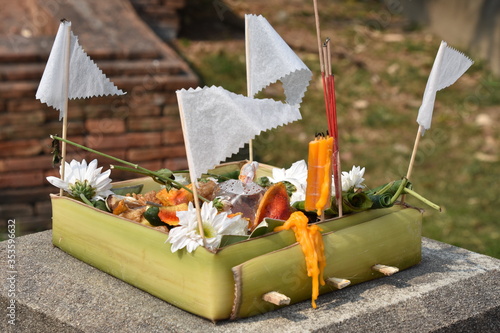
[
  {"x": 191, "y": 173},
  {"x": 276, "y": 298},
  {"x": 318, "y": 35},
  {"x": 249, "y": 84},
  {"x": 250, "y": 150},
  {"x": 338, "y": 283},
  {"x": 198, "y": 210},
  {"x": 65, "y": 93},
  {"x": 414, "y": 153},
  {"x": 386, "y": 270},
  {"x": 412, "y": 159}
]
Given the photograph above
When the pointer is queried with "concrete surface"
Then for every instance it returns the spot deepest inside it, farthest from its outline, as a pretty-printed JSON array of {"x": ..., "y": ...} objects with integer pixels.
[{"x": 452, "y": 290}]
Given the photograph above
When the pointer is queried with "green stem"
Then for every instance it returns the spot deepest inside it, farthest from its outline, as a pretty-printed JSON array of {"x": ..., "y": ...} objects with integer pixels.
[
  {"x": 119, "y": 167},
  {"x": 421, "y": 198},
  {"x": 153, "y": 174},
  {"x": 217, "y": 176},
  {"x": 383, "y": 189},
  {"x": 84, "y": 199},
  {"x": 135, "y": 167},
  {"x": 400, "y": 190}
]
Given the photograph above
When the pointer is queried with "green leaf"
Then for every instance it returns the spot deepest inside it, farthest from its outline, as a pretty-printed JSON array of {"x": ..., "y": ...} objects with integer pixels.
[
  {"x": 263, "y": 181},
  {"x": 128, "y": 189},
  {"x": 100, "y": 204},
  {"x": 390, "y": 188},
  {"x": 266, "y": 226},
  {"x": 231, "y": 239},
  {"x": 381, "y": 200}
]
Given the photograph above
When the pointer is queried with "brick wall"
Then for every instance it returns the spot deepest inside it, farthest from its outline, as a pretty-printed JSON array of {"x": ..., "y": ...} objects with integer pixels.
[
  {"x": 161, "y": 15},
  {"x": 142, "y": 127}
]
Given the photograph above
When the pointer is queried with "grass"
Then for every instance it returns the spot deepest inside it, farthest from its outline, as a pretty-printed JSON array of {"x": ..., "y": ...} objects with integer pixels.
[{"x": 379, "y": 87}]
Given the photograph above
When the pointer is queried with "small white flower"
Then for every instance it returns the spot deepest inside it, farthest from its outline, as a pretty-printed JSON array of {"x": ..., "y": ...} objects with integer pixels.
[
  {"x": 181, "y": 179},
  {"x": 351, "y": 180},
  {"x": 82, "y": 179},
  {"x": 296, "y": 175},
  {"x": 186, "y": 234}
]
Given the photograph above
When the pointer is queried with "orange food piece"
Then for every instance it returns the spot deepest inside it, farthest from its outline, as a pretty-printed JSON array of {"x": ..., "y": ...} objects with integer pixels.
[
  {"x": 275, "y": 204},
  {"x": 120, "y": 208},
  {"x": 311, "y": 241},
  {"x": 168, "y": 214},
  {"x": 174, "y": 196}
]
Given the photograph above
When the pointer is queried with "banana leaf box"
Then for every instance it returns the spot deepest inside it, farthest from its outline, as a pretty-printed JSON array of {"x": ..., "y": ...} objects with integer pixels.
[{"x": 235, "y": 280}]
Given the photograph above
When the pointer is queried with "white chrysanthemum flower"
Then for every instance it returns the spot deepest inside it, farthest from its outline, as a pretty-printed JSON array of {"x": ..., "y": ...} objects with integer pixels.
[
  {"x": 351, "y": 180},
  {"x": 80, "y": 178},
  {"x": 186, "y": 234},
  {"x": 296, "y": 175}
]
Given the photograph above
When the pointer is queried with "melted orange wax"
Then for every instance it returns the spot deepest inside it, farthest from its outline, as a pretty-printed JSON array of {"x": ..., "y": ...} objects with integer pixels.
[{"x": 311, "y": 242}]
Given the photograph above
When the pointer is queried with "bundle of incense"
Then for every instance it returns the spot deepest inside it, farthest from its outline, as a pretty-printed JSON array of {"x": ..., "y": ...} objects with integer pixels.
[
  {"x": 328, "y": 82},
  {"x": 319, "y": 174}
]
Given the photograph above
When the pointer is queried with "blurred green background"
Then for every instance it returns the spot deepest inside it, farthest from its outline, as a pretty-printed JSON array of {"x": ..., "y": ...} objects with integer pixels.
[{"x": 381, "y": 63}]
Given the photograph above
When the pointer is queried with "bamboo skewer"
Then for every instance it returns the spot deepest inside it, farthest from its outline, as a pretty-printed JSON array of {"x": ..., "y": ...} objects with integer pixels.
[
  {"x": 65, "y": 93},
  {"x": 414, "y": 153},
  {"x": 193, "y": 179},
  {"x": 338, "y": 283},
  {"x": 198, "y": 211},
  {"x": 386, "y": 270},
  {"x": 412, "y": 159},
  {"x": 249, "y": 84},
  {"x": 276, "y": 298},
  {"x": 318, "y": 36}
]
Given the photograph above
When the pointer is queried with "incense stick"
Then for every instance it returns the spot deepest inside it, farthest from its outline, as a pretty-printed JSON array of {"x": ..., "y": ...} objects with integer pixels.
[{"x": 330, "y": 105}]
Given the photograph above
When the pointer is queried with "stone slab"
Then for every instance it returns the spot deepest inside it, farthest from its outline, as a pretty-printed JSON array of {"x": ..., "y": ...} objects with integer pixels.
[{"x": 451, "y": 290}]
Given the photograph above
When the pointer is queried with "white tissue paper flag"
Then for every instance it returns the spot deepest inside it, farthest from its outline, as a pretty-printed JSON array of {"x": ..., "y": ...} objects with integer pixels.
[
  {"x": 449, "y": 65},
  {"x": 85, "y": 78},
  {"x": 269, "y": 58},
  {"x": 216, "y": 123}
]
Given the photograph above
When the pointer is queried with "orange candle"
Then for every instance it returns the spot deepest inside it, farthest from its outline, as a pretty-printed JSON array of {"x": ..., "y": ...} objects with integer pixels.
[
  {"x": 319, "y": 174},
  {"x": 312, "y": 192}
]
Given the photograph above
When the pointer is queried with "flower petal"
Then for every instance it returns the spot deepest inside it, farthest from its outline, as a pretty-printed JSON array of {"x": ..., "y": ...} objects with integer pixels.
[{"x": 57, "y": 182}]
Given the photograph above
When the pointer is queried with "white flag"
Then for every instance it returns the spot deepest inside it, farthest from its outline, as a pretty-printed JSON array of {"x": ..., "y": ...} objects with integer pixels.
[
  {"x": 216, "y": 123},
  {"x": 269, "y": 59},
  {"x": 449, "y": 65},
  {"x": 85, "y": 78}
]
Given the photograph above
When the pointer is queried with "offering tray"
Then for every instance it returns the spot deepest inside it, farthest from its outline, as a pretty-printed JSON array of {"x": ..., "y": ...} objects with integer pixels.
[{"x": 241, "y": 279}]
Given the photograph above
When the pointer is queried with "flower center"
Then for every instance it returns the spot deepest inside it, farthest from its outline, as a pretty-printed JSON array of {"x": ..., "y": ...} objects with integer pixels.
[
  {"x": 82, "y": 187},
  {"x": 209, "y": 230}
]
